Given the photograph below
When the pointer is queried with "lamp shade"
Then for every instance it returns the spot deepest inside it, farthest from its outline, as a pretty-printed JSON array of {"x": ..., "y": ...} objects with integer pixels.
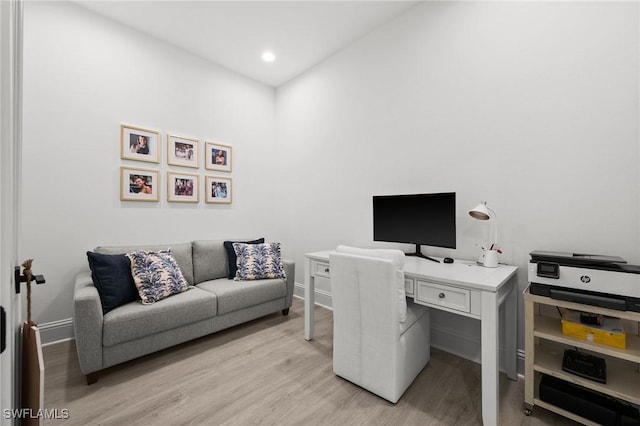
[{"x": 481, "y": 212}]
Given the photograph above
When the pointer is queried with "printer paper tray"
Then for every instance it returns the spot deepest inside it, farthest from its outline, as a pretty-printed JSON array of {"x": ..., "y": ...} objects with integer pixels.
[{"x": 603, "y": 300}]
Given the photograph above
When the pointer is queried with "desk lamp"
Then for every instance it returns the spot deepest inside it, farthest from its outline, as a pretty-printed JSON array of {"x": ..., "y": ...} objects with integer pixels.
[{"x": 489, "y": 257}]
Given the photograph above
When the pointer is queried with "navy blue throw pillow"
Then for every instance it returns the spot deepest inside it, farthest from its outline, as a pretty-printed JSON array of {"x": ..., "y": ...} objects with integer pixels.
[
  {"x": 111, "y": 274},
  {"x": 231, "y": 254}
]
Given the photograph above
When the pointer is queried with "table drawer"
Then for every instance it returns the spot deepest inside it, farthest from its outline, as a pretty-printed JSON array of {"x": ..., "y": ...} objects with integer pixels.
[
  {"x": 455, "y": 298},
  {"x": 319, "y": 269},
  {"x": 409, "y": 284}
]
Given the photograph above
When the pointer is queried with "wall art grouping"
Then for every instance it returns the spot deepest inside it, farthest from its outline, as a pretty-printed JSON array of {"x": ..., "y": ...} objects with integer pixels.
[{"x": 143, "y": 184}]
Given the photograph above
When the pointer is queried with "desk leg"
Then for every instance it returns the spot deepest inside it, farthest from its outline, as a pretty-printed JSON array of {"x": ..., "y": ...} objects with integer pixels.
[
  {"x": 309, "y": 300},
  {"x": 490, "y": 367},
  {"x": 511, "y": 331}
]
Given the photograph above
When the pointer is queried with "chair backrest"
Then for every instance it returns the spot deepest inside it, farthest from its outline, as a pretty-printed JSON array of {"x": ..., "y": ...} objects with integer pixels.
[
  {"x": 397, "y": 258},
  {"x": 366, "y": 295}
]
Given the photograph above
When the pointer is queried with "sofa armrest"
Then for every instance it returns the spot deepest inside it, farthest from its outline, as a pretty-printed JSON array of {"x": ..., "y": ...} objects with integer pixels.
[
  {"x": 290, "y": 271},
  {"x": 87, "y": 323}
]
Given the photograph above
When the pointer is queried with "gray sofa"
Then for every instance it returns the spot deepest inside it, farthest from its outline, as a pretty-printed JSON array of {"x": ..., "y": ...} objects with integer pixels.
[{"x": 215, "y": 303}]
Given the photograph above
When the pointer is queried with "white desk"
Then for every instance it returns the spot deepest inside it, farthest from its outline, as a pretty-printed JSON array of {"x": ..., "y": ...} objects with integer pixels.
[{"x": 462, "y": 288}]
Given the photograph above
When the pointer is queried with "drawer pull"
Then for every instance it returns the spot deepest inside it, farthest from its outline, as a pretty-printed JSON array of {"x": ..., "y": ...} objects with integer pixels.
[
  {"x": 326, "y": 270},
  {"x": 441, "y": 296}
]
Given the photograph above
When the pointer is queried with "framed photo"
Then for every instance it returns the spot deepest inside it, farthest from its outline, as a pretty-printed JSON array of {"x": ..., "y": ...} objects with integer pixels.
[
  {"x": 182, "y": 151},
  {"x": 182, "y": 188},
  {"x": 217, "y": 156},
  {"x": 139, "y": 144},
  {"x": 139, "y": 184},
  {"x": 218, "y": 189}
]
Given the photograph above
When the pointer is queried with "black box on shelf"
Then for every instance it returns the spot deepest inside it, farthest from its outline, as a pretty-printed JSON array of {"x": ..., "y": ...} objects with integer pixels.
[{"x": 591, "y": 405}]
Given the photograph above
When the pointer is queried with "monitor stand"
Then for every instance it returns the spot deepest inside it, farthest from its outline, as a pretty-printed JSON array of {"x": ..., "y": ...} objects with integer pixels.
[{"x": 418, "y": 253}]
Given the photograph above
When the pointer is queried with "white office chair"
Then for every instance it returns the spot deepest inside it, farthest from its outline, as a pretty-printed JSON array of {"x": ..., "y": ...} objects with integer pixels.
[{"x": 380, "y": 341}]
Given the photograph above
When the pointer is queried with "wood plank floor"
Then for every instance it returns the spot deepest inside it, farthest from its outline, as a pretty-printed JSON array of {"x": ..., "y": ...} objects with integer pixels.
[{"x": 265, "y": 373}]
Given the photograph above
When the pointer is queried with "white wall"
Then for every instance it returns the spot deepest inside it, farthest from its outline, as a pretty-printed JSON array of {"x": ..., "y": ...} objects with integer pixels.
[
  {"x": 533, "y": 107},
  {"x": 84, "y": 76}
]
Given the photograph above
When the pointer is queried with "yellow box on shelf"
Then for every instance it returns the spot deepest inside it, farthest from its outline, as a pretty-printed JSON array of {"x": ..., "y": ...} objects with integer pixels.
[{"x": 605, "y": 331}]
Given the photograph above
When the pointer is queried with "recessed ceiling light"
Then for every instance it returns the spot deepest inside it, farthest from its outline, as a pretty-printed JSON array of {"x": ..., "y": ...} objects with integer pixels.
[{"x": 268, "y": 56}]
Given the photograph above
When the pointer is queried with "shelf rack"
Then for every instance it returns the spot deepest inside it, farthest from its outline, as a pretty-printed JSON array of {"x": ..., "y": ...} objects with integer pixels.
[{"x": 545, "y": 345}]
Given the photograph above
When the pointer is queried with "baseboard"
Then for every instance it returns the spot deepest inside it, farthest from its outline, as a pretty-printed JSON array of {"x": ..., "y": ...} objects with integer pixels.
[
  {"x": 448, "y": 340},
  {"x": 322, "y": 298},
  {"x": 467, "y": 347},
  {"x": 520, "y": 366},
  {"x": 56, "y": 331}
]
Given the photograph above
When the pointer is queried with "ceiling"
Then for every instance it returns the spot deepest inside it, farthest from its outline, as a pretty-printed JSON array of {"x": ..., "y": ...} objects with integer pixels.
[{"x": 234, "y": 34}]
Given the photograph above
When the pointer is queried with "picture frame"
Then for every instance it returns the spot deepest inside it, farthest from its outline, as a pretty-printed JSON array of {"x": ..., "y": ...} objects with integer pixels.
[
  {"x": 139, "y": 144},
  {"x": 218, "y": 190},
  {"x": 139, "y": 184},
  {"x": 183, "y": 151},
  {"x": 218, "y": 156},
  {"x": 182, "y": 187}
]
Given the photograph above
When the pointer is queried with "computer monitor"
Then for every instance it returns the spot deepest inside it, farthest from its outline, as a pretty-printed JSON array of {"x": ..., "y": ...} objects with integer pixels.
[{"x": 420, "y": 219}]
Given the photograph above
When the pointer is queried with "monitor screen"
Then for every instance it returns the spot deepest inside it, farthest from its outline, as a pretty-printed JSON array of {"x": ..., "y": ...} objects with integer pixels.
[{"x": 421, "y": 219}]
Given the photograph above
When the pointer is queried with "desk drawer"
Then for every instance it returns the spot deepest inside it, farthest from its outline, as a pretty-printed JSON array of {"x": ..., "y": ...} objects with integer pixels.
[
  {"x": 319, "y": 269},
  {"x": 409, "y": 284},
  {"x": 442, "y": 295}
]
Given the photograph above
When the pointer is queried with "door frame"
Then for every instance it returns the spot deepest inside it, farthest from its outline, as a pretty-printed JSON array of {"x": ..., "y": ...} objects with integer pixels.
[{"x": 11, "y": 27}]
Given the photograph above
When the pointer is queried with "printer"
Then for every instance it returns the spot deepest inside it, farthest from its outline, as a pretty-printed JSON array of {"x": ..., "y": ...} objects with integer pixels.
[{"x": 604, "y": 281}]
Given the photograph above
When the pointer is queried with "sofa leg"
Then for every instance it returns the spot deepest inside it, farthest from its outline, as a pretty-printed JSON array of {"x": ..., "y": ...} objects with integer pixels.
[
  {"x": 285, "y": 312},
  {"x": 92, "y": 378}
]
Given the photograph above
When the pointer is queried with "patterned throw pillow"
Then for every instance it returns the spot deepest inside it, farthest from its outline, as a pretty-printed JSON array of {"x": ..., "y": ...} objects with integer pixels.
[
  {"x": 232, "y": 259},
  {"x": 258, "y": 261},
  {"x": 156, "y": 275}
]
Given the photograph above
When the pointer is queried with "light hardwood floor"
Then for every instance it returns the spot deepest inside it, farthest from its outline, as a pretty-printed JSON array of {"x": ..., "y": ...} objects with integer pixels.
[{"x": 264, "y": 372}]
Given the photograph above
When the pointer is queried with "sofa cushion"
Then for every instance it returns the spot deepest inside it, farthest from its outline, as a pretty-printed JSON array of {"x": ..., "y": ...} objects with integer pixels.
[
  {"x": 209, "y": 260},
  {"x": 258, "y": 261},
  {"x": 111, "y": 275},
  {"x": 233, "y": 295},
  {"x": 181, "y": 253},
  {"x": 231, "y": 254},
  {"x": 156, "y": 275},
  {"x": 134, "y": 320}
]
